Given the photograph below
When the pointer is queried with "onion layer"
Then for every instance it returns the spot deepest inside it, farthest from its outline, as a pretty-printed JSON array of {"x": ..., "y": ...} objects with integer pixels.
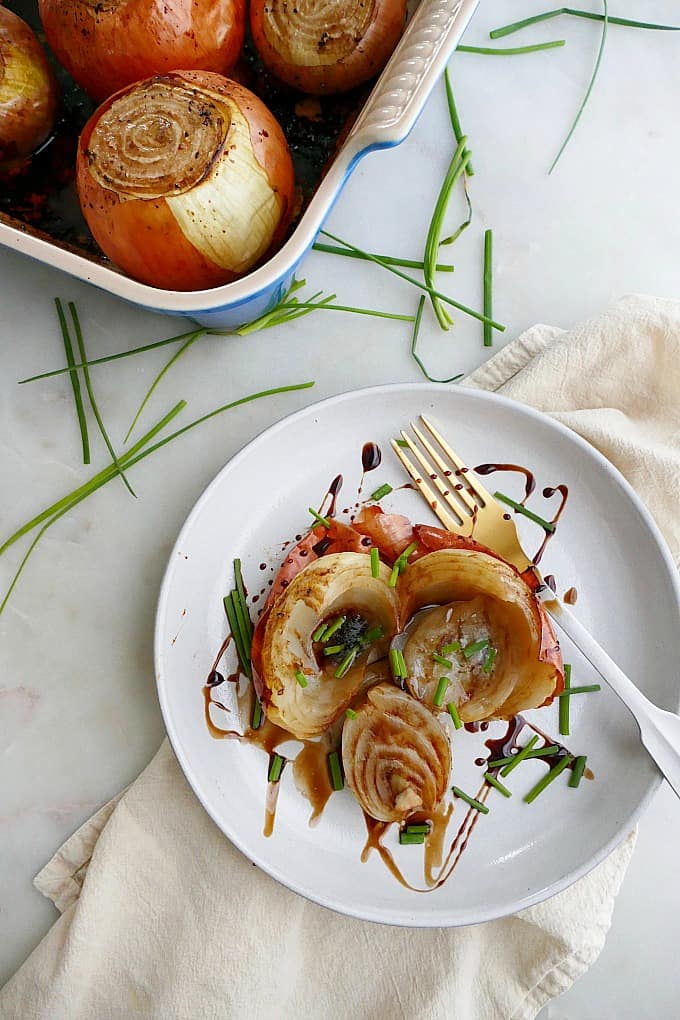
[
  {"x": 326, "y": 46},
  {"x": 28, "y": 92},
  {"x": 108, "y": 45},
  {"x": 185, "y": 180},
  {"x": 396, "y": 755}
]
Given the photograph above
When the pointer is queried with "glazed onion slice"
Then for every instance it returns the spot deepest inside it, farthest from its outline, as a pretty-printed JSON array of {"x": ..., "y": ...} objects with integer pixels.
[
  {"x": 340, "y": 584},
  {"x": 326, "y": 46},
  {"x": 476, "y": 599},
  {"x": 28, "y": 92},
  {"x": 396, "y": 755},
  {"x": 185, "y": 180}
]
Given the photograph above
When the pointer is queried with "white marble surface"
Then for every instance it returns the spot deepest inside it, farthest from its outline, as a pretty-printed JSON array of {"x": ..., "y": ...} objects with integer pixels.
[{"x": 78, "y": 711}]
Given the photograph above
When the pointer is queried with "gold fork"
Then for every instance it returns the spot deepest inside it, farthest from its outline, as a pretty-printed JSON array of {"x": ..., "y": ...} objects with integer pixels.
[{"x": 464, "y": 506}]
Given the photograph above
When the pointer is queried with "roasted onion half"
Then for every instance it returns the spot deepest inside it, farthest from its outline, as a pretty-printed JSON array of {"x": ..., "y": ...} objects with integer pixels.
[
  {"x": 396, "y": 755},
  {"x": 484, "y": 620},
  {"x": 326, "y": 46},
  {"x": 108, "y": 44},
  {"x": 304, "y": 681},
  {"x": 185, "y": 180},
  {"x": 28, "y": 92}
]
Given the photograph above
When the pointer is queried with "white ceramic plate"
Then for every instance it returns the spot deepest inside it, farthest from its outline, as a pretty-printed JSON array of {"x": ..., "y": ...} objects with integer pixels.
[{"x": 606, "y": 545}]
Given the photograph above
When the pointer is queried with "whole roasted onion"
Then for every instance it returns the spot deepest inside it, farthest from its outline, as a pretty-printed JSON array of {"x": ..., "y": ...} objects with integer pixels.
[
  {"x": 396, "y": 755},
  {"x": 108, "y": 44},
  {"x": 483, "y": 618},
  {"x": 337, "y": 586},
  {"x": 326, "y": 46},
  {"x": 28, "y": 92},
  {"x": 185, "y": 180}
]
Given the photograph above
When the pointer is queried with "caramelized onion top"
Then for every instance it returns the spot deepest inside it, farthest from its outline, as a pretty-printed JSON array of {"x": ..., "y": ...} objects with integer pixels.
[{"x": 314, "y": 32}]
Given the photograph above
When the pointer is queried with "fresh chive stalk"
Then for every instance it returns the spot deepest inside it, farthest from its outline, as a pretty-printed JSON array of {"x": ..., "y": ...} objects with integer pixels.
[
  {"x": 320, "y": 632},
  {"x": 456, "y": 169},
  {"x": 488, "y": 286},
  {"x": 542, "y": 752},
  {"x": 333, "y": 249},
  {"x": 411, "y": 838},
  {"x": 547, "y": 779},
  {"x": 333, "y": 627},
  {"x": 521, "y": 755},
  {"x": 375, "y": 562},
  {"x": 318, "y": 518},
  {"x": 453, "y": 712},
  {"x": 455, "y": 646},
  {"x": 585, "y": 689},
  {"x": 438, "y": 699},
  {"x": 442, "y": 661},
  {"x": 333, "y": 649},
  {"x": 578, "y": 770},
  {"x": 301, "y": 678},
  {"x": 159, "y": 377},
  {"x": 335, "y": 769},
  {"x": 498, "y": 33},
  {"x": 474, "y": 647},
  {"x": 477, "y": 804},
  {"x": 256, "y": 721},
  {"x": 491, "y": 779},
  {"x": 382, "y": 490},
  {"x": 521, "y": 509},
  {"x": 511, "y": 51},
  {"x": 418, "y": 360},
  {"x": 275, "y": 768},
  {"x": 453, "y": 116},
  {"x": 564, "y": 703},
  {"x": 346, "y": 664},
  {"x": 402, "y": 665},
  {"x": 394, "y": 576},
  {"x": 75, "y": 381}
]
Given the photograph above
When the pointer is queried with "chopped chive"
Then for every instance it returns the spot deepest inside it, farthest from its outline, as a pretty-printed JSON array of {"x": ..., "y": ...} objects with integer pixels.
[
  {"x": 75, "y": 382},
  {"x": 418, "y": 830},
  {"x": 453, "y": 116},
  {"x": 402, "y": 443},
  {"x": 240, "y": 588},
  {"x": 470, "y": 800},
  {"x": 275, "y": 768},
  {"x": 335, "y": 769},
  {"x": 446, "y": 663},
  {"x": 319, "y": 632},
  {"x": 402, "y": 560},
  {"x": 402, "y": 665},
  {"x": 382, "y": 490},
  {"x": 350, "y": 713},
  {"x": 318, "y": 518},
  {"x": 548, "y": 779},
  {"x": 585, "y": 689},
  {"x": 333, "y": 649},
  {"x": 564, "y": 703},
  {"x": 346, "y": 664},
  {"x": 498, "y": 33},
  {"x": 489, "y": 659},
  {"x": 301, "y": 678},
  {"x": 371, "y": 635},
  {"x": 520, "y": 509},
  {"x": 542, "y": 752},
  {"x": 333, "y": 627},
  {"x": 257, "y": 714},
  {"x": 511, "y": 51},
  {"x": 418, "y": 360},
  {"x": 453, "y": 712},
  {"x": 375, "y": 562},
  {"x": 411, "y": 838},
  {"x": 578, "y": 770},
  {"x": 496, "y": 782},
  {"x": 455, "y": 646},
  {"x": 488, "y": 286},
  {"x": 332, "y": 249},
  {"x": 438, "y": 699},
  {"x": 520, "y": 756},
  {"x": 394, "y": 575},
  {"x": 475, "y": 646},
  {"x": 394, "y": 664}
]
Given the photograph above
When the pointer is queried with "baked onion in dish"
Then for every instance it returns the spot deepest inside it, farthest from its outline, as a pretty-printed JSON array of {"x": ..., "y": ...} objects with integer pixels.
[
  {"x": 396, "y": 755},
  {"x": 185, "y": 180},
  {"x": 328, "y": 623},
  {"x": 484, "y": 642},
  {"x": 28, "y": 92},
  {"x": 108, "y": 44},
  {"x": 326, "y": 46}
]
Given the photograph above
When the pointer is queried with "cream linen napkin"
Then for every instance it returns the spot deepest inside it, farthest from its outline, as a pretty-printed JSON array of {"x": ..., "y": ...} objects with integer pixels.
[{"x": 163, "y": 917}]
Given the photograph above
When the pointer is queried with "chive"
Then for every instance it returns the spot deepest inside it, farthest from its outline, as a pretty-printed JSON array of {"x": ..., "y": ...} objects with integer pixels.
[
  {"x": 333, "y": 627},
  {"x": 453, "y": 116},
  {"x": 346, "y": 664},
  {"x": 440, "y": 692},
  {"x": 394, "y": 664},
  {"x": 442, "y": 661},
  {"x": 520, "y": 509},
  {"x": 519, "y": 757},
  {"x": 453, "y": 712},
  {"x": 547, "y": 779},
  {"x": 257, "y": 714},
  {"x": 394, "y": 575},
  {"x": 453, "y": 647},
  {"x": 542, "y": 752},
  {"x": 498, "y": 33},
  {"x": 418, "y": 360},
  {"x": 244, "y": 621},
  {"x": 382, "y": 490},
  {"x": 403, "y": 557},
  {"x": 499, "y": 786},
  {"x": 489, "y": 659},
  {"x": 319, "y": 519},
  {"x": 403, "y": 671},
  {"x": 416, "y": 283},
  {"x": 275, "y": 768},
  {"x": 236, "y": 625},
  {"x": 332, "y": 249},
  {"x": 411, "y": 838},
  {"x": 375, "y": 562},
  {"x": 585, "y": 689},
  {"x": 240, "y": 588},
  {"x": 564, "y": 703},
  {"x": 593, "y": 77},
  {"x": 319, "y": 632},
  {"x": 511, "y": 51},
  {"x": 333, "y": 649},
  {"x": 470, "y": 800},
  {"x": 578, "y": 770},
  {"x": 488, "y": 286},
  {"x": 454, "y": 172},
  {"x": 335, "y": 769},
  {"x": 402, "y": 442},
  {"x": 166, "y": 368},
  {"x": 371, "y": 635},
  {"x": 350, "y": 713},
  {"x": 418, "y": 830},
  {"x": 75, "y": 382},
  {"x": 301, "y": 678},
  {"x": 475, "y": 646}
]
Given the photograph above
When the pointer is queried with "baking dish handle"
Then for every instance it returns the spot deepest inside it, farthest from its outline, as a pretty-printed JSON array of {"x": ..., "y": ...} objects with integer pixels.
[{"x": 415, "y": 66}]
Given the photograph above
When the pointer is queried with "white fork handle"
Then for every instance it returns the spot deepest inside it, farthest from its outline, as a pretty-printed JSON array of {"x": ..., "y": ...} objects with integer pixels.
[{"x": 659, "y": 730}]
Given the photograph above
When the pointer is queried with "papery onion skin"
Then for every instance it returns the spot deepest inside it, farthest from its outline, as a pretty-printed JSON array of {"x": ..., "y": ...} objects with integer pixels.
[
  {"x": 29, "y": 95},
  {"x": 326, "y": 47},
  {"x": 185, "y": 180},
  {"x": 396, "y": 755},
  {"x": 108, "y": 44}
]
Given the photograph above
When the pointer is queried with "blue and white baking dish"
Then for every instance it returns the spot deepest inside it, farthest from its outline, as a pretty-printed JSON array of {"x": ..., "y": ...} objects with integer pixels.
[{"x": 386, "y": 119}]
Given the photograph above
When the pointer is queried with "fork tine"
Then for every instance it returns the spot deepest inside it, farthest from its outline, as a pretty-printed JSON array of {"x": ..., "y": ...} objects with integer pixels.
[
  {"x": 471, "y": 479},
  {"x": 450, "y": 489},
  {"x": 450, "y": 522}
]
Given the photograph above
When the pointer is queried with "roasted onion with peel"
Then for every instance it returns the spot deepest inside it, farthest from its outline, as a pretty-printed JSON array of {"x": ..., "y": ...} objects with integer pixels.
[
  {"x": 332, "y": 587},
  {"x": 396, "y": 755},
  {"x": 185, "y": 180},
  {"x": 492, "y": 629},
  {"x": 326, "y": 46},
  {"x": 28, "y": 92}
]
